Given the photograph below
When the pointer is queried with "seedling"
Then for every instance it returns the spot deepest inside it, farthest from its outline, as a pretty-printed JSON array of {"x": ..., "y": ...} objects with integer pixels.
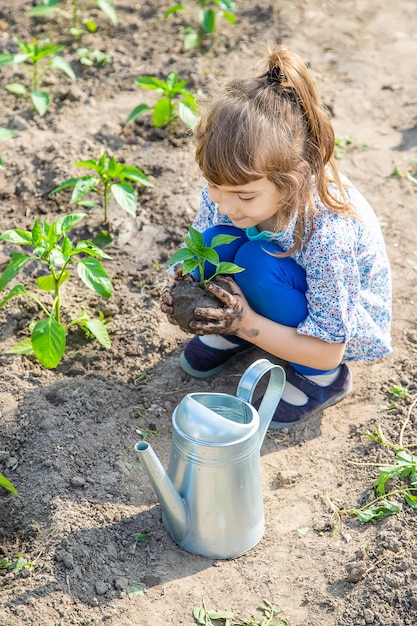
[
  {"x": 93, "y": 57},
  {"x": 174, "y": 97},
  {"x": 141, "y": 537},
  {"x": 37, "y": 58},
  {"x": 49, "y": 7},
  {"x": 341, "y": 146},
  {"x": 403, "y": 472},
  {"x": 54, "y": 249},
  {"x": 209, "y": 10},
  {"x": 210, "y": 617},
  {"x": 17, "y": 565},
  {"x": 110, "y": 181},
  {"x": 195, "y": 254},
  {"x": 6, "y": 484},
  {"x": 5, "y": 134}
]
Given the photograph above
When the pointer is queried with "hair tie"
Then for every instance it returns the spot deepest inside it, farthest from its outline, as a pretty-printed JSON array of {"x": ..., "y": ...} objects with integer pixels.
[{"x": 274, "y": 75}]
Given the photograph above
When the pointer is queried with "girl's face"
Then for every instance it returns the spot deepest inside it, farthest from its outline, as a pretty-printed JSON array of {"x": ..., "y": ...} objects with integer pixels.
[{"x": 253, "y": 204}]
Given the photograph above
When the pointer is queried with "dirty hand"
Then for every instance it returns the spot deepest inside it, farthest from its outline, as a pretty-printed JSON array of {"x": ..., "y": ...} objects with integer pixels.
[
  {"x": 226, "y": 320},
  {"x": 166, "y": 295}
]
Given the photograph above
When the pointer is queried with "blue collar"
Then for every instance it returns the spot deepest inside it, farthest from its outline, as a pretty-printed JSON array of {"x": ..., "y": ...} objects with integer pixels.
[{"x": 253, "y": 234}]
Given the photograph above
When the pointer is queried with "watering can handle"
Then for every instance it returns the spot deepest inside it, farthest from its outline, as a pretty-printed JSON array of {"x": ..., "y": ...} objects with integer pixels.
[{"x": 273, "y": 393}]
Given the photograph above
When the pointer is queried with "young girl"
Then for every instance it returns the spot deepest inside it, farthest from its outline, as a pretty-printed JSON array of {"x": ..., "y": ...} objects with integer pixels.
[{"x": 316, "y": 286}]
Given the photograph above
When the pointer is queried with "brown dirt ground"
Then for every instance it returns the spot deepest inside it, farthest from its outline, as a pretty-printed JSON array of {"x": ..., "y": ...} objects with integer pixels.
[{"x": 67, "y": 435}]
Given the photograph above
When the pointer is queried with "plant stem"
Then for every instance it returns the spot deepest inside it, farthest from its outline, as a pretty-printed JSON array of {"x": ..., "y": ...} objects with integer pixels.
[{"x": 382, "y": 497}]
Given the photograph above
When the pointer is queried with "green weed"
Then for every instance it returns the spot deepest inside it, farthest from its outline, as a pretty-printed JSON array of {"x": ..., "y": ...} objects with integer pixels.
[{"x": 50, "y": 7}]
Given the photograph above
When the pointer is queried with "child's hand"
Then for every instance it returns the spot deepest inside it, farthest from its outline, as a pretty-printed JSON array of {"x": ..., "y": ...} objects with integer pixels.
[
  {"x": 225, "y": 320},
  {"x": 166, "y": 297}
]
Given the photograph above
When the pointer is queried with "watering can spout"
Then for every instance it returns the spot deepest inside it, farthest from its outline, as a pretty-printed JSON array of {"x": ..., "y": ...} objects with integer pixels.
[{"x": 173, "y": 506}]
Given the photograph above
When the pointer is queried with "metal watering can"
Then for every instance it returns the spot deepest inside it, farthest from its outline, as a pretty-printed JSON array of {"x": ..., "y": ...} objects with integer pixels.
[{"x": 211, "y": 495}]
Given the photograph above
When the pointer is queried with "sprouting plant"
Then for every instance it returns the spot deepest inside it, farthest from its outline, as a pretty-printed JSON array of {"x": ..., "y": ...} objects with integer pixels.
[
  {"x": 209, "y": 10},
  {"x": 20, "y": 562},
  {"x": 5, "y": 134},
  {"x": 341, "y": 145},
  {"x": 174, "y": 97},
  {"x": 209, "y": 617},
  {"x": 403, "y": 472},
  {"x": 49, "y": 7},
  {"x": 37, "y": 58},
  {"x": 53, "y": 248},
  {"x": 141, "y": 537},
  {"x": 93, "y": 57},
  {"x": 195, "y": 254},
  {"x": 6, "y": 484},
  {"x": 110, "y": 180}
]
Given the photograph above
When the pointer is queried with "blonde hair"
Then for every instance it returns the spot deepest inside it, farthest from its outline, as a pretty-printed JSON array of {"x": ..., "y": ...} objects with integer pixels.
[{"x": 274, "y": 126}]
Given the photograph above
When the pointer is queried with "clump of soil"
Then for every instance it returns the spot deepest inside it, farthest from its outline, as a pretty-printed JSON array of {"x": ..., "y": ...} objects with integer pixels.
[{"x": 187, "y": 296}]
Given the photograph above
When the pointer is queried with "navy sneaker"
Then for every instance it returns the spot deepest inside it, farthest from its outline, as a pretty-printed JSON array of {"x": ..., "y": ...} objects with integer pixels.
[
  {"x": 319, "y": 398},
  {"x": 202, "y": 361}
]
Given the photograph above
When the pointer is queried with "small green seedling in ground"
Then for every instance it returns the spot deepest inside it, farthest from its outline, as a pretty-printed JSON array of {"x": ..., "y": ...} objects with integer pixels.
[
  {"x": 49, "y": 7},
  {"x": 209, "y": 10},
  {"x": 17, "y": 565},
  {"x": 93, "y": 57},
  {"x": 195, "y": 254},
  {"x": 174, "y": 97},
  {"x": 341, "y": 146},
  {"x": 37, "y": 58},
  {"x": 110, "y": 181},
  {"x": 6, "y": 484},
  {"x": 141, "y": 537},
  {"x": 136, "y": 588},
  {"x": 210, "y": 617},
  {"x": 53, "y": 248},
  {"x": 5, "y": 134},
  {"x": 404, "y": 470}
]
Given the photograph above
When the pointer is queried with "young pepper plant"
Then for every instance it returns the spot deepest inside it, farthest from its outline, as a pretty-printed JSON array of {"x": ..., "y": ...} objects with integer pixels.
[
  {"x": 37, "y": 58},
  {"x": 195, "y": 254},
  {"x": 174, "y": 97},
  {"x": 53, "y": 248},
  {"x": 49, "y": 7},
  {"x": 209, "y": 10},
  {"x": 110, "y": 181}
]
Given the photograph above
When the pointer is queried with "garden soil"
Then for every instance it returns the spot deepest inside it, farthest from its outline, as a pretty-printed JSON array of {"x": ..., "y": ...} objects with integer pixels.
[{"x": 67, "y": 435}]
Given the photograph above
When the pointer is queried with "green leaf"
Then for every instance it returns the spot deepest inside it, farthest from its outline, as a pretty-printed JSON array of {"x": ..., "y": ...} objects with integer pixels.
[
  {"x": 40, "y": 101},
  {"x": 125, "y": 196},
  {"x": 189, "y": 265},
  {"x": 65, "y": 223},
  {"x": 133, "y": 173},
  {"x": 108, "y": 9},
  {"x": 90, "y": 248},
  {"x": 22, "y": 347},
  {"x": 376, "y": 511},
  {"x": 47, "y": 283},
  {"x": 16, "y": 235},
  {"x": 17, "y": 88},
  {"x": 137, "y": 111},
  {"x": 150, "y": 82},
  {"x": 60, "y": 64},
  {"x": 5, "y": 58},
  {"x": 18, "y": 261},
  {"x": 181, "y": 255},
  {"x": 221, "y": 240},
  {"x": 228, "y": 268},
  {"x": 191, "y": 40},
  {"x": 162, "y": 112},
  {"x": 208, "y": 21},
  {"x": 6, "y": 484},
  {"x": 99, "y": 330},
  {"x": 173, "y": 9},
  {"x": 187, "y": 115},
  {"x": 196, "y": 238},
  {"x": 82, "y": 187},
  {"x": 48, "y": 342},
  {"x": 70, "y": 182},
  {"x": 5, "y": 134},
  {"x": 93, "y": 274}
]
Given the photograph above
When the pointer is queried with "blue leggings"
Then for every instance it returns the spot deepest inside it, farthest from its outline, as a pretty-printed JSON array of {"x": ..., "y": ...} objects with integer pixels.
[{"x": 274, "y": 287}]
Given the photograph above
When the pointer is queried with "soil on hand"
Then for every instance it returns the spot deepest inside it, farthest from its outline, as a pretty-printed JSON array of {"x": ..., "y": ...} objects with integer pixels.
[
  {"x": 187, "y": 296},
  {"x": 87, "y": 523}
]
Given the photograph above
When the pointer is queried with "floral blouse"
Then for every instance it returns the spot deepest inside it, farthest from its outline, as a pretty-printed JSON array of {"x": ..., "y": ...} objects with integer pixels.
[{"x": 347, "y": 271}]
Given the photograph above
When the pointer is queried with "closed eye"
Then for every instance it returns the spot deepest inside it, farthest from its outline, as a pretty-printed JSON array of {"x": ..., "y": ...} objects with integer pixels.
[{"x": 246, "y": 199}]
